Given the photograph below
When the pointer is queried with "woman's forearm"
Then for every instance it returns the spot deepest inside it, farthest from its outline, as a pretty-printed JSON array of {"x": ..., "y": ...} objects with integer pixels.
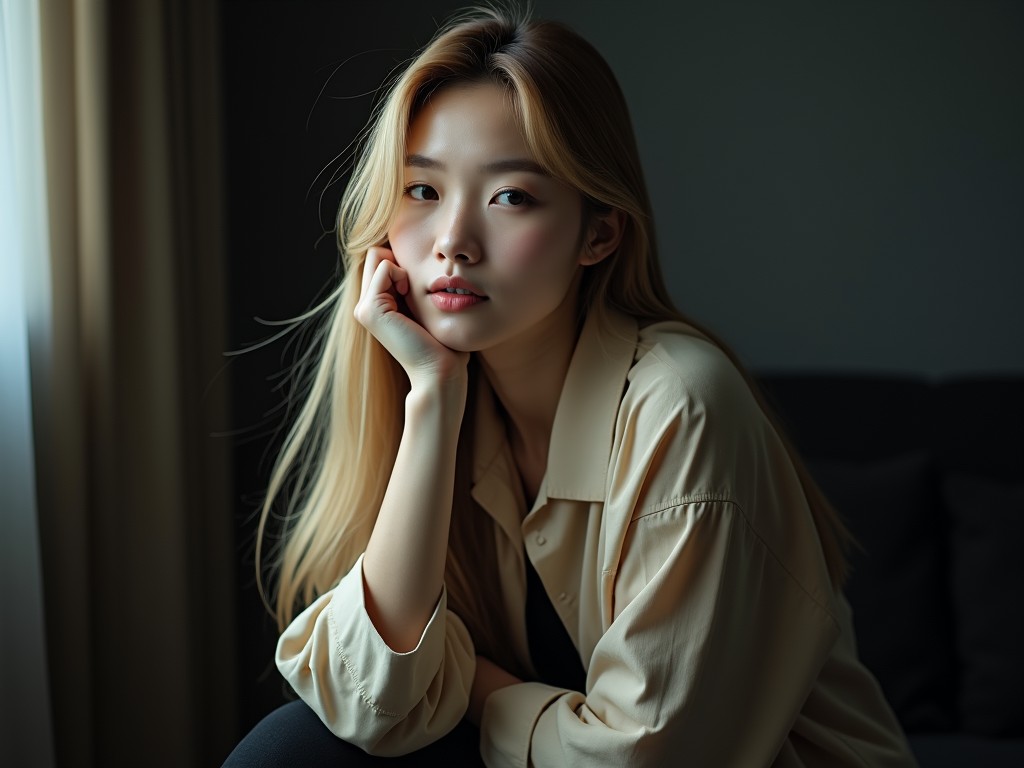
[
  {"x": 403, "y": 568},
  {"x": 488, "y": 678}
]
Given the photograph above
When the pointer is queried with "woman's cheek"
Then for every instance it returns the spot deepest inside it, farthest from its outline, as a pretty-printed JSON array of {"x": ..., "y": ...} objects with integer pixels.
[
  {"x": 402, "y": 246},
  {"x": 402, "y": 234},
  {"x": 530, "y": 247}
]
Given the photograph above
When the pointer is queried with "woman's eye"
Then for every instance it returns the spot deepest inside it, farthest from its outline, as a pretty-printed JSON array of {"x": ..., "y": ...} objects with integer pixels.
[
  {"x": 421, "y": 192},
  {"x": 512, "y": 197}
]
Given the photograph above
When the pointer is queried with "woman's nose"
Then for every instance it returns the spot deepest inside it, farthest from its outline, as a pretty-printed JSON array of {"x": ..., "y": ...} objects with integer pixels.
[{"x": 457, "y": 239}]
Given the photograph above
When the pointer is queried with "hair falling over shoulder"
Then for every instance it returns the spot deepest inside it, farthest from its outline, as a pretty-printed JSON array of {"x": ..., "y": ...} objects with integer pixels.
[{"x": 333, "y": 469}]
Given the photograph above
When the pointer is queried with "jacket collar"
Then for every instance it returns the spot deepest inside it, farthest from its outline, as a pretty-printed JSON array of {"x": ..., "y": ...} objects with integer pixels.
[{"x": 584, "y": 426}]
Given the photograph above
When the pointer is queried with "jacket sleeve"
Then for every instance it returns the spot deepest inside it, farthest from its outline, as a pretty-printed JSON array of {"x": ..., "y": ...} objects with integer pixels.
[
  {"x": 384, "y": 702},
  {"x": 708, "y": 664},
  {"x": 711, "y": 637}
]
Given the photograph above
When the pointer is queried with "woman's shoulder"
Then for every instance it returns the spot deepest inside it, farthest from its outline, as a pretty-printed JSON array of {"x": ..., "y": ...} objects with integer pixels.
[
  {"x": 675, "y": 361},
  {"x": 685, "y": 404}
]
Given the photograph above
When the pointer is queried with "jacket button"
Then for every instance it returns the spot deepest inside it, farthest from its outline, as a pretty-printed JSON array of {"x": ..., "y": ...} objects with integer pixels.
[{"x": 541, "y": 541}]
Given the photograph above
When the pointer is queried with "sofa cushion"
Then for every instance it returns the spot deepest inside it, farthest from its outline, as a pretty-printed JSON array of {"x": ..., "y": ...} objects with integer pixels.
[
  {"x": 898, "y": 586},
  {"x": 960, "y": 750},
  {"x": 988, "y": 580},
  {"x": 982, "y": 427},
  {"x": 852, "y": 418}
]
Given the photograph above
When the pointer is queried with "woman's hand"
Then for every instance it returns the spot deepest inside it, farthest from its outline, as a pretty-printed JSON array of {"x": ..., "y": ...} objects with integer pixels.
[
  {"x": 488, "y": 678},
  {"x": 379, "y": 310}
]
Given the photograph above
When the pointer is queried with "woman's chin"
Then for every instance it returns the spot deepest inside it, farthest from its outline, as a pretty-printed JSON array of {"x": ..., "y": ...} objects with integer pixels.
[
  {"x": 458, "y": 343},
  {"x": 456, "y": 338},
  {"x": 440, "y": 328}
]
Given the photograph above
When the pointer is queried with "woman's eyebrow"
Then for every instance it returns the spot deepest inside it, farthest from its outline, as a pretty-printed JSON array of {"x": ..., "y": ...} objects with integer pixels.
[
  {"x": 498, "y": 166},
  {"x": 528, "y": 166},
  {"x": 422, "y": 161}
]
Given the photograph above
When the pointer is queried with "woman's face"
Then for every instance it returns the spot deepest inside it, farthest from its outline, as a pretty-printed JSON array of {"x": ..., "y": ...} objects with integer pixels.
[{"x": 490, "y": 242}]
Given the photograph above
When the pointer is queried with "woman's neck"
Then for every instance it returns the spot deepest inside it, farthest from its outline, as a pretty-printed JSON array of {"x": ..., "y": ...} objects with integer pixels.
[{"x": 527, "y": 375}]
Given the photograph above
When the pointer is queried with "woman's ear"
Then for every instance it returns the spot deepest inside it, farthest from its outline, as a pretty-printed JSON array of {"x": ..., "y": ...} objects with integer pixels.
[{"x": 604, "y": 233}]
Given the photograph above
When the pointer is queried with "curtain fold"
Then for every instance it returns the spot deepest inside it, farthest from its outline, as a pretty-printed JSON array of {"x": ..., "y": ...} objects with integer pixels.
[
  {"x": 136, "y": 522},
  {"x": 25, "y": 720}
]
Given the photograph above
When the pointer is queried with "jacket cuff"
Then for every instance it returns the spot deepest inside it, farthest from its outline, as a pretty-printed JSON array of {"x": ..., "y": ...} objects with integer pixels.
[
  {"x": 373, "y": 665},
  {"x": 510, "y": 716}
]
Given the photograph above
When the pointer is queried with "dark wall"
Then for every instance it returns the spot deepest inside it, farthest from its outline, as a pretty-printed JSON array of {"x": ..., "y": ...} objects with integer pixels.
[{"x": 837, "y": 185}]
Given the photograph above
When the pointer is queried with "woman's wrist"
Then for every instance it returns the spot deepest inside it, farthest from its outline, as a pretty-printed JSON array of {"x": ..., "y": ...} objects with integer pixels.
[
  {"x": 441, "y": 395},
  {"x": 489, "y": 677}
]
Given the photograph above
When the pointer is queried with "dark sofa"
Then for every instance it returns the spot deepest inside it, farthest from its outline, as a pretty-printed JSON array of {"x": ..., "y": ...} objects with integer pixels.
[{"x": 929, "y": 477}]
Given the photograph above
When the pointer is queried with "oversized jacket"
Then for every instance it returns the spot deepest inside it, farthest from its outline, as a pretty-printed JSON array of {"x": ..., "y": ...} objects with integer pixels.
[{"x": 675, "y": 542}]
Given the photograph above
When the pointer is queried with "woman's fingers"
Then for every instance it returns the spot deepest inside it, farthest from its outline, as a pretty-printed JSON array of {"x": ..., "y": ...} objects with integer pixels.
[
  {"x": 374, "y": 257},
  {"x": 382, "y": 274},
  {"x": 380, "y": 312},
  {"x": 379, "y": 291}
]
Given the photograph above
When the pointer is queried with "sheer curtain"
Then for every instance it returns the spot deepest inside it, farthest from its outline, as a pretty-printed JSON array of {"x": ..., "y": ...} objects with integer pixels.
[
  {"x": 125, "y": 333},
  {"x": 25, "y": 725}
]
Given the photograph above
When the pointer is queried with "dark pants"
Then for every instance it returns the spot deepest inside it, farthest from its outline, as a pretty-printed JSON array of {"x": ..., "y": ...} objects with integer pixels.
[{"x": 292, "y": 736}]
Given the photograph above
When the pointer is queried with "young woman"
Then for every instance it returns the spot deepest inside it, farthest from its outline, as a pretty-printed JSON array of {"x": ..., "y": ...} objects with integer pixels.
[{"x": 525, "y": 493}]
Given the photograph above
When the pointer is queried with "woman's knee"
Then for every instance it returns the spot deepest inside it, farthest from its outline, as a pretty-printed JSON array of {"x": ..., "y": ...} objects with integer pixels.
[{"x": 293, "y": 736}]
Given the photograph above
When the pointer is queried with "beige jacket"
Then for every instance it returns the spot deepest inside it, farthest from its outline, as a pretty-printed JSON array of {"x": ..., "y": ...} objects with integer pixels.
[{"x": 674, "y": 540}]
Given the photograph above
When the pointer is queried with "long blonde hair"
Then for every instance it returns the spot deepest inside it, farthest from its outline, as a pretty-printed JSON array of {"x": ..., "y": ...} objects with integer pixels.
[{"x": 336, "y": 460}]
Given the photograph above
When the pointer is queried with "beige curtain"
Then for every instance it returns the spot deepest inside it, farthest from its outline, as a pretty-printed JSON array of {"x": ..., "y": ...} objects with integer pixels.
[{"x": 135, "y": 515}]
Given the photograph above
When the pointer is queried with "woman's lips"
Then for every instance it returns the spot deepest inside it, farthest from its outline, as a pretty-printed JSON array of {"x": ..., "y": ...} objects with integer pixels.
[
  {"x": 454, "y": 294},
  {"x": 455, "y": 302}
]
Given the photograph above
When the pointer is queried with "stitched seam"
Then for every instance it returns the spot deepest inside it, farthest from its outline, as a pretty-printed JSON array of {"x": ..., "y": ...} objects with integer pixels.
[
  {"x": 362, "y": 691},
  {"x": 718, "y": 499},
  {"x": 710, "y": 497},
  {"x": 680, "y": 501},
  {"x": 350, "y": 668}
]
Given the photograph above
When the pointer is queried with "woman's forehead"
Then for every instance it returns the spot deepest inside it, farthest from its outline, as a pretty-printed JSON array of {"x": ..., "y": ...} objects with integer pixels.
[{"x": 468, "y": 122}]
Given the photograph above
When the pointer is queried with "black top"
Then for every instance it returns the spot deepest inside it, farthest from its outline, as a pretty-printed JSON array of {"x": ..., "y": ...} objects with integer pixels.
[{"x": 551, "y": 649}]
